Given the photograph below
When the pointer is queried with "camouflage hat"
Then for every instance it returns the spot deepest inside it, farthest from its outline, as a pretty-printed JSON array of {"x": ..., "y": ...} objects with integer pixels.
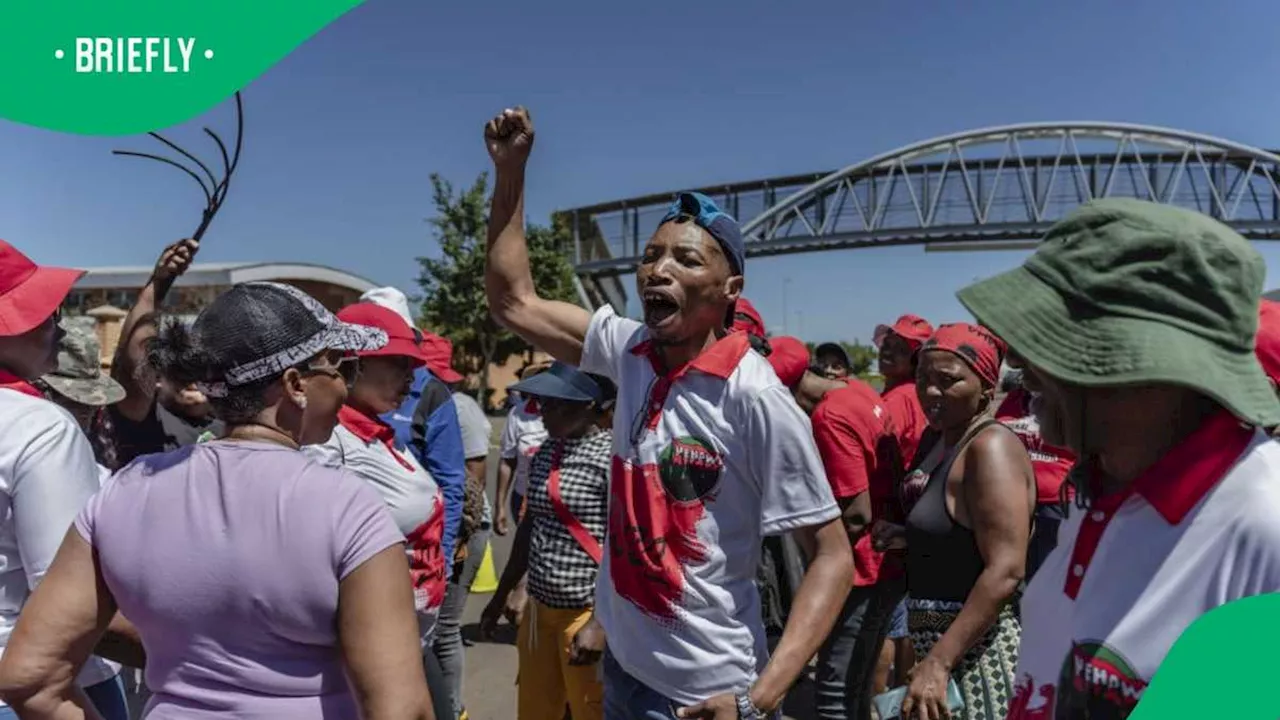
[{"x": 79, "y": 375}]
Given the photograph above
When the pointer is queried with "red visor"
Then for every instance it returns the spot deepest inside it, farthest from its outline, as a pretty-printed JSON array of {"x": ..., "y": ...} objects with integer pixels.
[
  {"x": 912, "y": 328},
  {"x": 974, "y": 344},
  {"x": 439, "y": 354},
  {"x": 789, "y": 358},
  {"x": 29, "y": 293},
  {"x": 402, "y": 340}
]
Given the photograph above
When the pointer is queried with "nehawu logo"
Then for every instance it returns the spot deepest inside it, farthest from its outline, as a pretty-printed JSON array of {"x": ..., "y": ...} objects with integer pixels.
[
  {"x": 690, "y": 468},
  {"x": 1096, "y": 682}
]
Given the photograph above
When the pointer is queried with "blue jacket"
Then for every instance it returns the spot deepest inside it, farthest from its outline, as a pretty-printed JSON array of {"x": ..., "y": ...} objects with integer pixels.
[{"x": 427, "y": 423}]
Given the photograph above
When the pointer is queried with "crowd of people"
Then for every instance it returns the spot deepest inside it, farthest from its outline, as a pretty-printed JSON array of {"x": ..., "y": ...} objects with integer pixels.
[{"x": 275, "y": 511}]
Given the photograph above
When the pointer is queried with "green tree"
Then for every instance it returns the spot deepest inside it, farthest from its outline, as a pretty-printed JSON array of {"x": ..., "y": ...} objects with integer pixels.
[{"x": 452, "y": 283}]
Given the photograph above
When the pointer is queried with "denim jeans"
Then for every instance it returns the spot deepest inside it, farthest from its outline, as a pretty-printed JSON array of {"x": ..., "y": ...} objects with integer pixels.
[
  {"x": 626, "y": 698},
  {"x": 847, "y": 660},
  {"x": 448, "y": 642},
  {"x": 107, "y": 697}
]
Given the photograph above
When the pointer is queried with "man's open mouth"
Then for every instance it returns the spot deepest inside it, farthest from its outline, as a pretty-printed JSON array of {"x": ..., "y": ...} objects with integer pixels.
[{"x": 658, "y": 307}]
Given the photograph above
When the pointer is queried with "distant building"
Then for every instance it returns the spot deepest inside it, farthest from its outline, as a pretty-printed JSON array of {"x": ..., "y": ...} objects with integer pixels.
[
  {"x": 1273, "y": 295},
  {"x": 107, "y": 293}
]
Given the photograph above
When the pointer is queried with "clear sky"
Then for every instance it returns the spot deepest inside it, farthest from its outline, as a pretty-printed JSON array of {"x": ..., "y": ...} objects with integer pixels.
[{"x": 640, "y": 97}]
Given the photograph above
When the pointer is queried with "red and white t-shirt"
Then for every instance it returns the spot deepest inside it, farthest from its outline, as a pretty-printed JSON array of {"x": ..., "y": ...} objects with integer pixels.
[
  {"x": 1050, "y": 462},
  {"x": 1195, "y": 531},
  {"x": 708, "y": 459},
  {"x": 523, "y": 434},
  {"x": 367, "y": 447},
  {"x": 854, "y": 434},
  {"x": 909, "y": 422}
]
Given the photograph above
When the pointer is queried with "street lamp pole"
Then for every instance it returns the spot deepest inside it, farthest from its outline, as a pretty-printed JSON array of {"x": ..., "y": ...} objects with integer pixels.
[{"x": 786, "y": 284}]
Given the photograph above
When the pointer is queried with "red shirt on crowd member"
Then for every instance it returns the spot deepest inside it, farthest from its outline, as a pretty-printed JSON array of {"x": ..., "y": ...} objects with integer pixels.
[
  {"x": 1267, "y": 346},
  {"x": 854, "y": 434},
  {"x": 1050, "y": 462},
  {"x": 899, "y": 345}
]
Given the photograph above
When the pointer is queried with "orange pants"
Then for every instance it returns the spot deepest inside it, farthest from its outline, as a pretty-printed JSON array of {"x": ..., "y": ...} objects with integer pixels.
[{"x": 547, "y": 682}]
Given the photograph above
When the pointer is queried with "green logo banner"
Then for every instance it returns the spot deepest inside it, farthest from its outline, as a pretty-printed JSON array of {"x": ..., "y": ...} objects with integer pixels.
[
  {"x": 1222, "y": 666},
  {"x": 122, "y": 67}
]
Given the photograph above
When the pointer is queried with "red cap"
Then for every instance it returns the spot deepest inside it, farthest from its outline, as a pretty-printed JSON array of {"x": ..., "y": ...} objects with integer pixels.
[
  {"x": 402, "y": 340},
  {"x": 912, "y": 328},
  {"x": 439, "y": 354},
  {"x": 789, "y": 358},
  {"x": 973, "y": 344},
  {"x": 752, "y": 323},
  {"x": 29, "y": 293},
  {"x": 1268, "y": 342}
]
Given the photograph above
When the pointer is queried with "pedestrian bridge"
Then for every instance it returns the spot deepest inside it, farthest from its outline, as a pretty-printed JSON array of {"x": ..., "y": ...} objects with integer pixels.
[{"x": 993, "y": 188}]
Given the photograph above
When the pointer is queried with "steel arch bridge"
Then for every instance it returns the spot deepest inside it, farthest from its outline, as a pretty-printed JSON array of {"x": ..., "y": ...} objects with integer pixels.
[{"x": 999, "y": 187}]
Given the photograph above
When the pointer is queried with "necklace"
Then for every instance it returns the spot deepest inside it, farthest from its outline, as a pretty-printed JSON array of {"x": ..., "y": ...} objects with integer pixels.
[{"x": 253, "y": 431}]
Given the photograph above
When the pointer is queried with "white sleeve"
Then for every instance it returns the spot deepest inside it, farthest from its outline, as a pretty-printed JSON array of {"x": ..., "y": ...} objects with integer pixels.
[
  {"x": 475, "y": 430},
  {"x": 607, "y": 338},
  {"x": 794, "y": 491},
  {"x": 510, "y": 436},
  {"x": 54, "y": 477},
  {"x": 329, "y": 453}
]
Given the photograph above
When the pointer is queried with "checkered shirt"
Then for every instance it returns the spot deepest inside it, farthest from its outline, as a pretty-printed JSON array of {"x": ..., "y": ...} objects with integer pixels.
[{"x": 561, "y": 573}]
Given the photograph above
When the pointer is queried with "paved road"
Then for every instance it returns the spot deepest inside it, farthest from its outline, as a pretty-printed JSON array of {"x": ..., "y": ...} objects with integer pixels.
[{"x": 489, "y": 684}]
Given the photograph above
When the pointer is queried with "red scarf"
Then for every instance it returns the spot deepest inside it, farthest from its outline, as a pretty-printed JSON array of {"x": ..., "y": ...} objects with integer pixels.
[{"x": 9, "y": 381}]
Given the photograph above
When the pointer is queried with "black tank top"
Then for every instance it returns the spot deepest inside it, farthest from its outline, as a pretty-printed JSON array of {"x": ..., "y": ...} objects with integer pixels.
[{"x": 943, "y": 562}]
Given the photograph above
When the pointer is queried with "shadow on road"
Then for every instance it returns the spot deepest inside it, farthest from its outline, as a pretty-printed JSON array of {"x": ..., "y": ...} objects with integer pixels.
[{"x": 504, "y": 635}]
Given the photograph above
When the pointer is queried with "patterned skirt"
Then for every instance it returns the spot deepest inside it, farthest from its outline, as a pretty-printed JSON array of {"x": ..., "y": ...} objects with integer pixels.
[{"x": 985, "y": 675}]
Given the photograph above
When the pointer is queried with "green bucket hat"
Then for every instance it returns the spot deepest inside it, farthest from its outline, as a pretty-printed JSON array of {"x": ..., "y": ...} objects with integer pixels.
[
  {"x": 1125, "y": 292},
  {"x": 79, "y": 375}
]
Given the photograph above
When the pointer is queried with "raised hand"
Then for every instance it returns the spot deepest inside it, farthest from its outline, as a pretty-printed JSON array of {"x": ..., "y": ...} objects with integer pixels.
[
  {"x": 509, "y": 137},
  {"x": 175, "y": 260}
]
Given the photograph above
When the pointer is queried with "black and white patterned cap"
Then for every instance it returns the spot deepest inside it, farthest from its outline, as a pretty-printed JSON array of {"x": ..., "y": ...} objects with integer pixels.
[{"x": 258, "y": 330}]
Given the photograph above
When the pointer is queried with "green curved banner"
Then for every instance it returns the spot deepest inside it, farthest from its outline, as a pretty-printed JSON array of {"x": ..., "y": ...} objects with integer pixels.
[
  {"x": 123, "y": 67},
  {"x": 1222, "y": 666}
]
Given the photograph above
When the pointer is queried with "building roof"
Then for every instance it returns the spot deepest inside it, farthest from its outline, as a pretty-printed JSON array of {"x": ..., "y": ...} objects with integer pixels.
[{"x": 222, "y": 274}]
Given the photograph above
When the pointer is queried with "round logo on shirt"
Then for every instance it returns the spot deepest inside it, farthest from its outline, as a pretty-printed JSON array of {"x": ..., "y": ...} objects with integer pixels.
[
  {"x": 690, "y": 468},
  {"x": 1097, "y": 682}
]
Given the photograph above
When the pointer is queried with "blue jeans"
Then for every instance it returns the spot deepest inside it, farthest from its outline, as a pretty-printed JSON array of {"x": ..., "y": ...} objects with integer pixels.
[
  {"x": 448, "y": 645},
  {"x": 847, "y": 659},
  {"x": 107, "y": 696},
  {"x": 626, "y": 698}
]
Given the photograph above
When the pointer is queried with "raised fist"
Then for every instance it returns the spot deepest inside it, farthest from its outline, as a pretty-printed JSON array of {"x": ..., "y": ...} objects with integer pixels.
[
  {"x": 509, "y": 137},
  {"x": 175, "y": 260}
]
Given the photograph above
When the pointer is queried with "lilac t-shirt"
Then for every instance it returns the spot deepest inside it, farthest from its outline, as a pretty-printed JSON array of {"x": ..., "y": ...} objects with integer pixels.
[{"x": 227, "y": 557}]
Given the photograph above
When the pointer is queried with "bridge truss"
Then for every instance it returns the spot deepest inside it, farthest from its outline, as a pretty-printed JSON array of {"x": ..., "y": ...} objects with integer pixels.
[{"x": 994, "y": 187}]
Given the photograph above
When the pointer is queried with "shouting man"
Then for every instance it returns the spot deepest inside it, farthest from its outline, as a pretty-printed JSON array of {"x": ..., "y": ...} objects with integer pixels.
[{"x": 710, "y": 454}]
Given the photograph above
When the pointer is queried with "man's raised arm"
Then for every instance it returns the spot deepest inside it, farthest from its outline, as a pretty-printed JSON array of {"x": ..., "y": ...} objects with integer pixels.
[{"x": 558, "y": 328}]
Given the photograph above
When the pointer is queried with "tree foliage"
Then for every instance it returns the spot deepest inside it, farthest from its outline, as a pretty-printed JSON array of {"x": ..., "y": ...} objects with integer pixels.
[{"x": 452, "y": 283}]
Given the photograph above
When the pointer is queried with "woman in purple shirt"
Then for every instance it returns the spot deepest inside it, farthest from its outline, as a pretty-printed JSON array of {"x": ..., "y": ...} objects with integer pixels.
[{"x": 263, "y": 584}]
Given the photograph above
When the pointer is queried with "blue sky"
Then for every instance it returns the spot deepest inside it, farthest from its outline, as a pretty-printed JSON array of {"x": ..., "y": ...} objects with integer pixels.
[{"x": 640, "y": 98}]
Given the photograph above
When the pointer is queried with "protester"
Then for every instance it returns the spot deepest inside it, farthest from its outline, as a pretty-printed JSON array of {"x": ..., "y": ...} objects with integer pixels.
[
  {"x": 47, "y": 470},
  {"x": 832, "y": 360},
  {"x": 966, "y": 535},
  {"x": 747, "y": 319},
  {"x": 368, "y": 447},
  {"x": 710, "y": 454},
  {"x": 156, "y": 414},
  {"x": 1147, "y": 371},
  {"x": 559, "y": 543},
  {"x": 79, "y": 387},
  {"x": 255, "y": 576},
  {"x": 1267, "y": 344},
  {"x": 899, "y": 346},
  {"x": 1051, "y": 465},
  {"x": 855, "y": 438},
  {"x": 522, "y": 435},
  {"x": 427, "y": 423}
]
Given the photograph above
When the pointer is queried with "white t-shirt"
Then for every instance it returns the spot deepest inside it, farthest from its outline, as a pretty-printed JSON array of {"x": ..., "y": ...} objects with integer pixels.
[
  {"x": 47, "y": 475},
  {"x": 521, "y": 438},
  {"x": 368, "y": 448},
  {"x": 475, "y": 425},
  {"x": 1130, "y": 574},
  {"x": 707, "y": 462}
]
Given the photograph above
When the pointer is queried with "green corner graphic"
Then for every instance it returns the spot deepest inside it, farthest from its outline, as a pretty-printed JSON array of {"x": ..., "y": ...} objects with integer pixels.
[
  {"x": 122, "y": 67},
  {"x": 1222, "y": 666}
]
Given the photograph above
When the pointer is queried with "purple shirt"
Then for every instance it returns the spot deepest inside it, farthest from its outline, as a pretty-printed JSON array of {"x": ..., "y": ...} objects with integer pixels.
[{"x": 227, "y": 558}]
